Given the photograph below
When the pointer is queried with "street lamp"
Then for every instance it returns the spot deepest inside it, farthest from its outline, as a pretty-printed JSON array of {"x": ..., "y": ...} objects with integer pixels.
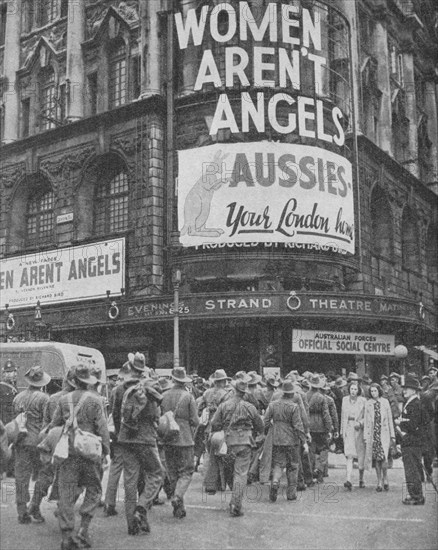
[
  {"x": 401, "y": 352},
  {"x": 176, "y": 280}
]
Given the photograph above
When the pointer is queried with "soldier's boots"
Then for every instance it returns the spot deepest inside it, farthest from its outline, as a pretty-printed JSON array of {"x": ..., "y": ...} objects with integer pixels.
[
  {"x": 83, "y": 535},
  {"x": 273, "y": 492},
  {"x": 24, "y": 519},
  {"x": 34, "y": 512},
  {"x": 235, "y": 511},
  {"x": 109, "y": 511},
  {"x": 141, "y": 524},
  {"x": 178, "y": 507},
  {"x": 68, "y": 541}
]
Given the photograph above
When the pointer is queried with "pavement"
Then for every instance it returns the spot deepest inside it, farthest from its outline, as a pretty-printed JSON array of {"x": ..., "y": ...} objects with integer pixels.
[{"x": 326, "y": 516}]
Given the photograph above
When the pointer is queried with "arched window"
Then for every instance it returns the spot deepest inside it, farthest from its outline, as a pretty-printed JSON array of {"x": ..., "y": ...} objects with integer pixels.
[
  {"x": 118, "y": 84},
  {"x": 40, "y": 218},
  {"x": 111, "y": 202},
  {"x": 410, "y": 241},
  {"x": 381, "y": 225},
  {"x": 47, "y": 98},
  {"x": 432, "y": 253}
]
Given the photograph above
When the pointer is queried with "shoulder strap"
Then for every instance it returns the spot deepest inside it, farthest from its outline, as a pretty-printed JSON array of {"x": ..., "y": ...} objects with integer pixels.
[
  {"x": 72, "y": 421},
  {"x": 234, "y": 413},
  {"x": 178, "y": 404},
  {"x": 33, "y": 398}
]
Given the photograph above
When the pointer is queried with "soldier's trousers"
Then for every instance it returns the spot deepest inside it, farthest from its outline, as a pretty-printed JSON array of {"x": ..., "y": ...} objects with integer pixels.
[
  {"x": 46, "y": 476},
  {"x": 242, "y": 454},
  {"x": 318, "y": 452},
  {"x": 27, "y": 463},
  {"x": 115, "y": 471},
  {"x": 413, "y": 471},
  {"x": 180, "y": 463},
  {"x": 305, "y": 476},
  {"x": 140, "y": 460},
  {"x": 286, "y": 457},
  {"x": 75, "y": 472}
]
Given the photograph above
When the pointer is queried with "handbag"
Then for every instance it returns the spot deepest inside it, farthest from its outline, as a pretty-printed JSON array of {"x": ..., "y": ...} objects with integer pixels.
[
  {"x": 168, "y": 427},
  {"x": 86, "y": 444}
]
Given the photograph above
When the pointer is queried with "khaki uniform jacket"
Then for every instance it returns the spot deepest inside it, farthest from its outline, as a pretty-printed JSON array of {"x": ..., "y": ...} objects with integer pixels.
[
  {"x": 319, "y": 415},
  {"x": 186, "y": 414},
  {"x": 90, "y": 417},
  {"x": 34, "y": 402},
  {"x": 238, "y": 418},
  {"x": 287, "y": 427}
]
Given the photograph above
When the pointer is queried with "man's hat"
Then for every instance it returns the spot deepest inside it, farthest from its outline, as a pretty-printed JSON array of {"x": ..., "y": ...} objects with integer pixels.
[
  {"x": 110, "y": 373},
  {"x": 305, "y": 383},
  {"x": 138, "y": 362},
  {"x": 353, "y": 377},
  {"x": 307, "y": 374},
  {"x": 383, "y": 377},
  {"x": 254, "y": 378},
  {"x": 411, "y": 381},
  {"x": 292, "y": 373},
  {"x": 272, "y": 380},
  {"x": 288, "y": 387},
  {"x": 218, "y": 375},
  {"x": 179, "y": 375},
  {"x": 340, "y": 382},
  {"x": 316, "y": 381},
  {"x": 426, "y": 378},
  {"x": 35, "y": 376},
  {"x": 70, "y": 377},
  {"x": 241, "y": 385},
  {"x": 395, "y": 375},
  {"x": 83, "y": 374},
  {"x": 9, "y": 366},
  {"x": 432, "y": 367},
  {"x": 367, "y": 379}
]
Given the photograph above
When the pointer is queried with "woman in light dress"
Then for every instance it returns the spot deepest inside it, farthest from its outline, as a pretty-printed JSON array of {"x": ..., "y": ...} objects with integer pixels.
[
  {"x": 352, "y": 425},
  {"x": 378, "y": 432}
]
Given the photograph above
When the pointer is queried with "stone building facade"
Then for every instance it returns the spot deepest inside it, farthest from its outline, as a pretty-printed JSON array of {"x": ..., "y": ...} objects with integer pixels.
[{"x": 99, "y": 101}]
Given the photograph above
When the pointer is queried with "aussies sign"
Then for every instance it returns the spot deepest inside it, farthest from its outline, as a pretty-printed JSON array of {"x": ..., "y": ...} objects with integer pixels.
[
  {"x": 271, "y": 65},
  {"x": 322, "y": 341},
  {"x": 264, "y": 192},
  {"x": 64, "y": 275}
]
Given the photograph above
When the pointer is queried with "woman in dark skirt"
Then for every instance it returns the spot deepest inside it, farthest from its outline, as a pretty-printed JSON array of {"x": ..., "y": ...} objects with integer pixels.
[{"x": 378, "y": 433}]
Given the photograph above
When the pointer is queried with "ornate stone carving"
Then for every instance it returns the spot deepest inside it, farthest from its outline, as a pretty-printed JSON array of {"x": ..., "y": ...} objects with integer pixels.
[
  {"x": 63, "y": 164},
  {"x": 128, "y": 143},
  {"x": 95, "y": 16},
  {"x": 9, "y": 175},
  {"x": 128, "y": 10}
]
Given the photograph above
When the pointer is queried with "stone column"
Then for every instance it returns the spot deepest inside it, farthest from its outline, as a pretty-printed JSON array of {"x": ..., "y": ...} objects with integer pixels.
[
  {"x": 430, "y": 108},
  {"x": 382, "y": 55},
  {"x": 151, "y": 58},
  {"x": 411, "y": 163},
  {"x": 75, "y": 64},
  {"x": 11, "y": 66}
]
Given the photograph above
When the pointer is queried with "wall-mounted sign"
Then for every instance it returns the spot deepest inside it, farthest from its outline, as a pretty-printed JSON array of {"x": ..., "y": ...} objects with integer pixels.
[
  {"x": 323, "y": 341},
  {"x": 64, "y": 218},
  {"x": 65, "y": 275},
  {"x": 265, "y": 192}
]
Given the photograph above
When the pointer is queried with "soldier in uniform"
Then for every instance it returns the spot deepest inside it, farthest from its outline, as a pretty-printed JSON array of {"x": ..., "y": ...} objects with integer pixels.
[
  {"x": 179, "y": 453},
  {"x": 411, "y": 427},
  {"x": 238, "y": 418},
  {"x": 77, "y": 470},
  {"x": 8, "y": 391},
  {"x": 32, "y": 402},
  {"x": 288, "y": 434},
  {"x": 136, "y": 414}
]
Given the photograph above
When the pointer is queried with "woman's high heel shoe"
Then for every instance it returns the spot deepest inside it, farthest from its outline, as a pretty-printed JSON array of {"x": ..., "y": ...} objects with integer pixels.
[
  {"x": 348, "y": 485},
  {"x": 362, "y": 484},
  {"x": 379, "y": 489},
  {"x": 386, "y": 487}
]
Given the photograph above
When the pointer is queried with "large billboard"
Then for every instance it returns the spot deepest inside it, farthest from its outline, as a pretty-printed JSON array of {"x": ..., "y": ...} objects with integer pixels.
[
  {"x": 265, "y": 192},
  {"x": 278, "y": 78},
  {"x": 64, "y": 275}
]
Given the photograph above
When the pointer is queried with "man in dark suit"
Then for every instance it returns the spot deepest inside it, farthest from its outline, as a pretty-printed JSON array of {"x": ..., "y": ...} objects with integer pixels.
[{"x": 411, "y": 426}]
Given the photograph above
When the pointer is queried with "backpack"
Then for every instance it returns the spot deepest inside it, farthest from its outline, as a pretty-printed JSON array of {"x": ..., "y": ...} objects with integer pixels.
[
  {"x": 133, "y": 402},
  {"x": 168, "y": 428},
  {"x": 86, "y": 444}
]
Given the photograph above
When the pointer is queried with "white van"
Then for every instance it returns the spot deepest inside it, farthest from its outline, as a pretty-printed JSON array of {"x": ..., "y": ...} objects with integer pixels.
[{"x": 54, "y": 357}]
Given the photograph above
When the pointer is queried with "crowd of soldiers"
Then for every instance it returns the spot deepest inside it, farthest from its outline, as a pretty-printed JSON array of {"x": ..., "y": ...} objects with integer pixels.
[{"x": 246, "y": 429}]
